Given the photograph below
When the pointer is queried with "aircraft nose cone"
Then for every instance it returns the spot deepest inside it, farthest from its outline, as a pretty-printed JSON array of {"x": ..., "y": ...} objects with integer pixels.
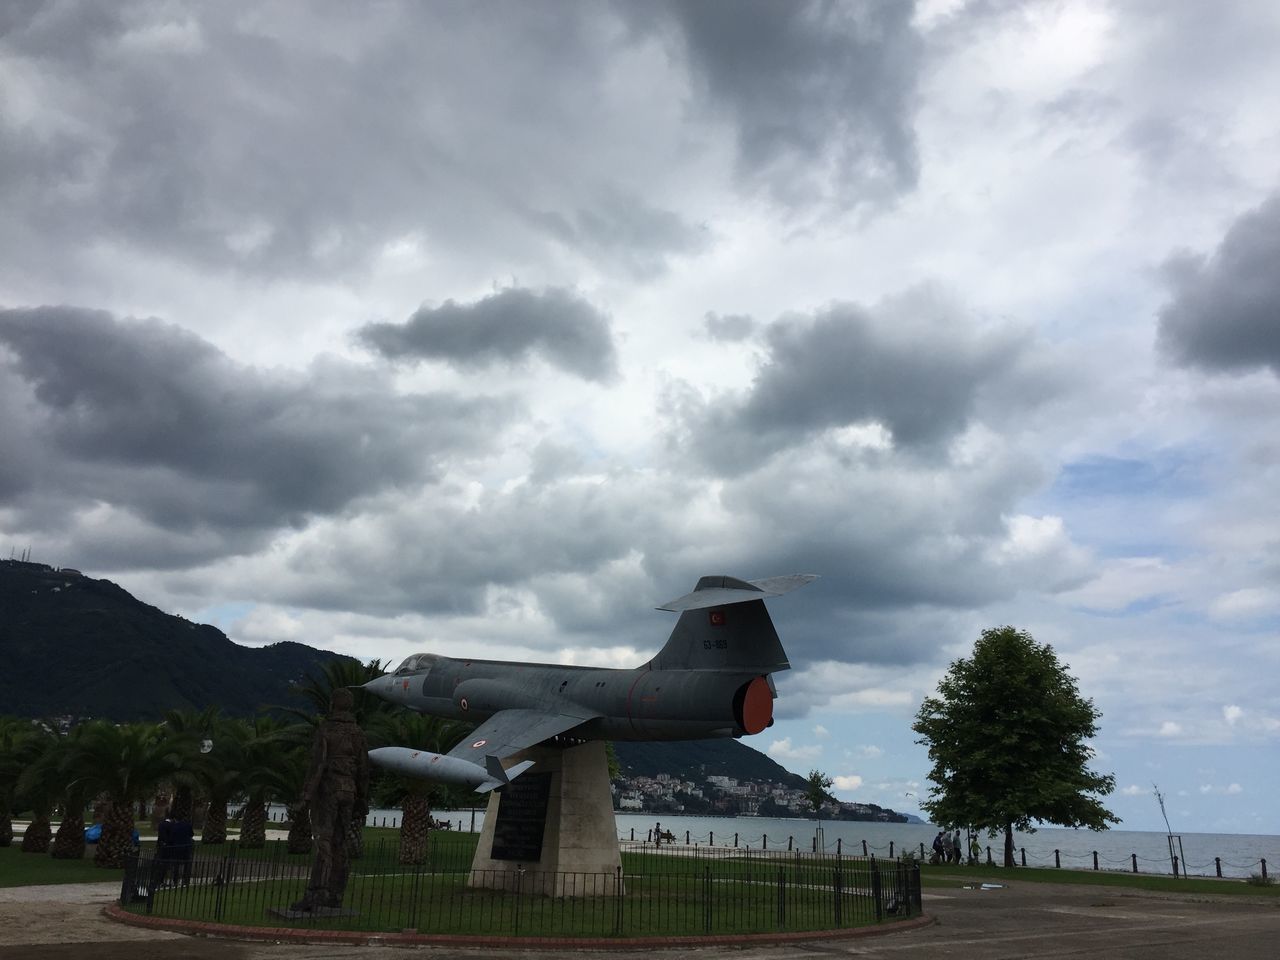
[{"x": 379, "y": 686}]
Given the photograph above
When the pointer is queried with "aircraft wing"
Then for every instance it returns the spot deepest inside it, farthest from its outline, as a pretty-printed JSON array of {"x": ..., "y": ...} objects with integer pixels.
[{"x": 510, "y": 731}]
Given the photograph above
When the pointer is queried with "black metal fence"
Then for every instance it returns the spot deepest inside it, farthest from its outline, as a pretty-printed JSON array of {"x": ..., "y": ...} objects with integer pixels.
[{"x": 655, "y": 893}]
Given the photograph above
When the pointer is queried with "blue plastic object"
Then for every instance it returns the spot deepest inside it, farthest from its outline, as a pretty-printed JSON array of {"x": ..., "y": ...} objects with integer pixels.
[{"x": 94, "y": 833}]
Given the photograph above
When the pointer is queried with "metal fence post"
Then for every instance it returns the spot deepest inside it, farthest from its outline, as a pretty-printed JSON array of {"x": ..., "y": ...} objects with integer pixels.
[
  {"x": 1217, "y": 864},
  {"x": 519, "y": 888},
  {"x": 1134, "y": 858},
  {"x": 782, "y": 898},
  {"x": 875, "y": 889},
  {"x": 223, "y": 877},
  {"x": 1024, "y": 855},
  {"x": 837, "y": 885},
  {"x": 1175, "y": 867},
  {"x": 706, "y": 899},
  {"x": 1057, "y": 859},
  {"x": 864, "y": 848},
  {"x": 890, "y": 849},
  {"x": 1095, "y": 859},
  {"x": 1264, "y": 868},
  {"x": 617, "y": 895}
]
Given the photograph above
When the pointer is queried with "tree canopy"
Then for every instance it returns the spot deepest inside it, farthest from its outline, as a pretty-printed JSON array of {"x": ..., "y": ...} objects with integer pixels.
[
  {"x": 1008, "y": 736},
  {"x": 817, "y": 790}
]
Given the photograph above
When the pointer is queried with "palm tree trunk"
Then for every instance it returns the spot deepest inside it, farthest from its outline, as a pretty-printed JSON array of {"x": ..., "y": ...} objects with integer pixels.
[
  {"x": 183, "y": 804},
  {"x": 299, "y": 829},
  {"x": 68, "y": 842},
  {"x": 253, "y": 825},
  {"x": 117, "y": 835},
  {"x": 39, "y": 834},
  {"x": 215, "y": 822},
  {"x": 1008, "y": 844},
  {"x": 415, "y": 829}
]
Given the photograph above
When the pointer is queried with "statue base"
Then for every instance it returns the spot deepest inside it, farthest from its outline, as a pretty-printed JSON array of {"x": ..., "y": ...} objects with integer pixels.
[{"x": 551, "y": 831}]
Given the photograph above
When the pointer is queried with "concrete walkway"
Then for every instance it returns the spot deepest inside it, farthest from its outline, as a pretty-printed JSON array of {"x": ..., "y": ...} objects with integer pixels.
[{"x": 1030, "y": 920}]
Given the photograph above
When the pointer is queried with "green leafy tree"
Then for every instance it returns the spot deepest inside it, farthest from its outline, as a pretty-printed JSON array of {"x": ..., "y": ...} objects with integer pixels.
[
  {"x": 817, "y": 791},
  {"x": 1008, "y": 736}
]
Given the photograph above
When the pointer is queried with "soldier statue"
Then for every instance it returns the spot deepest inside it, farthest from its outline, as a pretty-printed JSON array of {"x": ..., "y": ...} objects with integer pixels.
[{"x": 336, "y": 791}]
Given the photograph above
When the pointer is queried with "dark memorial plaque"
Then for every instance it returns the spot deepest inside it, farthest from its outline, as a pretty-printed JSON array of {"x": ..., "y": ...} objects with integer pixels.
[{"x": 522, "y": 818}]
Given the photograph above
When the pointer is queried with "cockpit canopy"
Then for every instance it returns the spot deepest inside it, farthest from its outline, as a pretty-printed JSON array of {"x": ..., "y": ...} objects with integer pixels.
[{"x": 417, "y": 663}]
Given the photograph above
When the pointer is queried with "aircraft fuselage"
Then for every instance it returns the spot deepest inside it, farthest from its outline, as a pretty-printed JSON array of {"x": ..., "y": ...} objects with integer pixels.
[{"x": 616, "y": 704}]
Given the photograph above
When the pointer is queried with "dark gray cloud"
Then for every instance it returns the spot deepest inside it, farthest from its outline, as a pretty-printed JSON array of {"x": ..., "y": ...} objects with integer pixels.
[
  {"x": 729, "y": 327},
  {"x": 906, "y": 366},
  {"x": 555, "y": 325},
  {"x": 627, "y": 231},
  {"x": 1225, "y": 310},
  {"x": 300, "y": 141},
  {"x": 821, "y": 95},
  {"x": 158, "y": 427}
]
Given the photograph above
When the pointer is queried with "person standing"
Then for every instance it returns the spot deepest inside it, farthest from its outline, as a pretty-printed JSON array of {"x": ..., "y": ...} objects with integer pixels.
[
  {"x": 164, "y": 853},
  {"x": 182, "y": 840}
]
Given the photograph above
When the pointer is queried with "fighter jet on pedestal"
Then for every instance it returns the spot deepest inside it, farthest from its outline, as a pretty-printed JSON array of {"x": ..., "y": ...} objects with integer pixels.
[{"x": 711, "y": 679}]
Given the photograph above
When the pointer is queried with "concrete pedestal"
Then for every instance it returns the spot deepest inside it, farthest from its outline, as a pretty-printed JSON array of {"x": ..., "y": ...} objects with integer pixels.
[{"x": 579, "y": 843}]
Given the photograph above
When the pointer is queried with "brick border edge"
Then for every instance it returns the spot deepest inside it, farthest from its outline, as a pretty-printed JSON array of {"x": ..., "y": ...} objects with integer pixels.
[{"x": 201, "y": 928}]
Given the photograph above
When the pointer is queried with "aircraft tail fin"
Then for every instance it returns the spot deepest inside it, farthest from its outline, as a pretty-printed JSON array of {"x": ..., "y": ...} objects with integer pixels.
[
  {"x": 724, "y": 625},
  {"x": 498, "y": 776}
]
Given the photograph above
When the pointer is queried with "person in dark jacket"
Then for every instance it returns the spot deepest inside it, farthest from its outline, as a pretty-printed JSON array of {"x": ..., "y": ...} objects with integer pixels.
[{"x": 182, "y": 840}]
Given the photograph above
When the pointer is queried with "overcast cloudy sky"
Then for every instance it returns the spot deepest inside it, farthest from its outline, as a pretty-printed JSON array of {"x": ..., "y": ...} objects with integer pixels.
[{"x": 487, "y": 327}]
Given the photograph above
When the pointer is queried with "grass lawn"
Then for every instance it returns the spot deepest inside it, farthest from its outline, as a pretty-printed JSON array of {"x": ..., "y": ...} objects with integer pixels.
[
  {"x": 18, "y": 869},
  {"x": 662, "y": 895},
  {"x": 957, "y": 876},
  {"x": 441, "y": 902}
]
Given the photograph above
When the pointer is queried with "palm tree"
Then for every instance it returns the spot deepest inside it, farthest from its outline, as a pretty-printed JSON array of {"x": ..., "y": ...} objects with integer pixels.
[
  {"x": 418, "y": 732},
  {"x": 262, "y": 753},
  {"x": 186, "y": 782},
  {"x": 39, "y": 785},
  {"x": 68, "y": 841},
  {"x": 221, "y": 773},
  {"x": 125, "y": 763},
  {"x": 347, "y": 672},
  {"x": 12, "y": 732}
]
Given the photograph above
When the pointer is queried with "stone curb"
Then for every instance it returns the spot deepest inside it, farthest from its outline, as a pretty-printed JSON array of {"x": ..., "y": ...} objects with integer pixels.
[{"x": 201, "y": 928}]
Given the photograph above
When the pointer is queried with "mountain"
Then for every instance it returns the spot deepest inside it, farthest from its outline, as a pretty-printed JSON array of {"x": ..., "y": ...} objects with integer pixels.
[
  {"x": 74, "y": 645},
  {"x": 698, "y": 759}
]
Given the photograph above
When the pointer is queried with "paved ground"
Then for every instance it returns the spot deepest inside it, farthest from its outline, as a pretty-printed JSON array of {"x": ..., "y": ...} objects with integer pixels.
[{"x": 1024, "y": 920}]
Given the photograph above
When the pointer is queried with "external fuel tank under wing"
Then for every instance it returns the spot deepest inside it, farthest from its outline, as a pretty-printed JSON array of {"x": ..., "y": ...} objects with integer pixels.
[{"x": 710, "y": 679}]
